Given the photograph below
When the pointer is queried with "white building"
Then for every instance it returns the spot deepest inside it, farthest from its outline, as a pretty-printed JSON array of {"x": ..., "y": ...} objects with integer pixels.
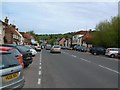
[
  {"x": 77, "y": 38},
  {"x": 21, "y": 39}
]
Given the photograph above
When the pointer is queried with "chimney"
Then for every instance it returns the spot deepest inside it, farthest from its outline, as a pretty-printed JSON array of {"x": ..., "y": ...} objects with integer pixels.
[
  {"x": 13, "y": 26},
  {"x": 6, "y": 20},
  {"x": 17, "y": 29}
]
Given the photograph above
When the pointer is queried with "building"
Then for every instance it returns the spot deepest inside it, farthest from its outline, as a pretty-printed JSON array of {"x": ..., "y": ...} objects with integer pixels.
[
  {"x": 28, "y": 38},
  {"x": 21, "y": 39},
  {"x": 2, "y": 31},
  {"x": 77, "y": 38},
  {"x": 87, "y": 39},
  {"x": 82, "y": 38},
  {"x": 62, "y": 42},
  {"x": 12, "y": 35}
]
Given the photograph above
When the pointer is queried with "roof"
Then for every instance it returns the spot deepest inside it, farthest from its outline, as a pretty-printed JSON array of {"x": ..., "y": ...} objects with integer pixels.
[
  {"x": 81, "y": 32},
  {"x": 26, "y": 35},
  {"x": 62, "y": 39},
  {"x": 87, "y": 36},
  {"x": 3, "y": 22}
]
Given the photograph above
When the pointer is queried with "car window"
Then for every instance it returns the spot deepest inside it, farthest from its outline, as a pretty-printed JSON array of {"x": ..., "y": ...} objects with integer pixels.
[
  {"x": 8, "y": 60},
  {"x": 56, "y": 46},
  {"x": 114, "y": 49},
  {"x": 22, "y": 48},
  {"x": 15, "y": 52}
]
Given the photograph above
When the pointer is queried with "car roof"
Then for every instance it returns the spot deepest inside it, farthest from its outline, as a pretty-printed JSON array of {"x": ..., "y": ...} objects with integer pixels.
[{"x": 6, "y": 48}]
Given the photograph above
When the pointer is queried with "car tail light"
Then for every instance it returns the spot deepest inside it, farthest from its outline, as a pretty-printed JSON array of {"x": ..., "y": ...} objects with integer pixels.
[
  {"x": 108, "y": 50},
  {"x": 21, "y": 55}
]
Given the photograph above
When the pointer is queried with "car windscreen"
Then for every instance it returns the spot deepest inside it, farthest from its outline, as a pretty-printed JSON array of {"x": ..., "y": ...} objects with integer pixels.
[
  {"x": 8, "y": 60},
  {"x": 22, "y": 48},
  {"x": 15, "y": 52},
  {"x": 56, "y": 46}
]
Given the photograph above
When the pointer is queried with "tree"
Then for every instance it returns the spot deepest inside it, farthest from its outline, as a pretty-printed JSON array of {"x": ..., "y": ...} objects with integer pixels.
[{"x": 106, "y": 33}]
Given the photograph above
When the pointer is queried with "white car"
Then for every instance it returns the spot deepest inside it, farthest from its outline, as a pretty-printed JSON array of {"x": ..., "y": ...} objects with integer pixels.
[
  {"x": 111, "y": 52},
  {"x": 33, "y": 51},
  {"x": 56, "y": 48}
]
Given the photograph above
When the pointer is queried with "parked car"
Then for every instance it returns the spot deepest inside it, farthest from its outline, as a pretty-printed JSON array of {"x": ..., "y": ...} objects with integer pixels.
[
  {"x": 75, "y": 47},
  {"x": 118, "y": 55},
  {"x": 11, "y": 72},
  {"x": 33, "y": 51},
  {"x": 48, "y": 47},
  {"x": 81, "y": 48},
  {"x": 64, "y": 47},
  {"x": 15, "y": 52},
  {"x": 111, "y": 52},
  {"x": 56, "y": 48},
  {"x": 97, "y": 50},
  {"x": 37, "y": 47},
  {"x": 27, "y": 55}
]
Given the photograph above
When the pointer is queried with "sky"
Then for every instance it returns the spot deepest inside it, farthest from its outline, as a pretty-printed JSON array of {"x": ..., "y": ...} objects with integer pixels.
[{"x": 51, "y": 17}]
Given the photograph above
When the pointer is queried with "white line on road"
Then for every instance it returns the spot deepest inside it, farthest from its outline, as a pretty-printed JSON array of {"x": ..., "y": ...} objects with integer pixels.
[
  {"x": 39, "y": 72},
  {"x": 85, "y": 60},
  {"x": 40, "y": 67},
  {"x": 40, "y": 63},
  {"x": 39, "y": 81},
  {"x": 108, "y": 69},
  {"x": 73, "y": 56}
]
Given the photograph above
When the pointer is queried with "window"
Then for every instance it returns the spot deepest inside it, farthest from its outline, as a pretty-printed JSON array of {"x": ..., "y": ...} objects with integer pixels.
[{"x": 7, "y": 60}]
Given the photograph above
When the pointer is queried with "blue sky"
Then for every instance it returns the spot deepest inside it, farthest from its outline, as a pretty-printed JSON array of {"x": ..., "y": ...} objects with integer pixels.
[{"x": 58, "y": 17}]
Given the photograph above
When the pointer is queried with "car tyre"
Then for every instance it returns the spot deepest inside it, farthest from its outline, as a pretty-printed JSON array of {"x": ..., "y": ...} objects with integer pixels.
[
  {"x": 95, "y": 53},
  {"x": 25, "y": 66},
  {"x": 112, "y": 55}
]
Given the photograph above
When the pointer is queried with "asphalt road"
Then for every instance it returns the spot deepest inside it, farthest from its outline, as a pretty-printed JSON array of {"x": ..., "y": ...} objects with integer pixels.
[{"x": 71, "y": 69}]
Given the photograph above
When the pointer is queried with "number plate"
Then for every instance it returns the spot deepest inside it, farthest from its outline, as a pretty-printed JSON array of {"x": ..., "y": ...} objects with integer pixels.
[
  {"x": 28, "y": 57},
  {"x": 11, "y": 77}
]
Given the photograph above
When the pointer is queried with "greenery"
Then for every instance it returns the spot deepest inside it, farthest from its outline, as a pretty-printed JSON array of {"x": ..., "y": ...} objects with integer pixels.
[
  {"x": 50, "y": 38},
  {"x": 106, "y": 33}
]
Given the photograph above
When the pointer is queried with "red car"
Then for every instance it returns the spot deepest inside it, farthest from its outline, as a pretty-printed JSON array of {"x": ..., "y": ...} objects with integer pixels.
[{"x": 15, "y": 52}]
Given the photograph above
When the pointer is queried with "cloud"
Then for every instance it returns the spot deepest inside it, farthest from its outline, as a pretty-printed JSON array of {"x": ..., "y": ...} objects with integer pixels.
[{"x": 58, "y": 17}]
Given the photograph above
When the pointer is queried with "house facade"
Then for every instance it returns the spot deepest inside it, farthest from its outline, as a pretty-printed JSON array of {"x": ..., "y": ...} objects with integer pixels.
[
  {"x": 28, "y": 39},
  {"x": 77, "y": 38},
  {"x": 62, "y": 42},
  {"x": 2, "y": 31},
  {"x": 82, "y": 38}
]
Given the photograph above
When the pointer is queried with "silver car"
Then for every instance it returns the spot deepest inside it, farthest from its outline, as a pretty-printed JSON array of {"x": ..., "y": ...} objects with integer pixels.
[
  {"x": 112, "y": 52},
  {"x": 56, "y": 48},
  {"x": 11, "y": 74}
]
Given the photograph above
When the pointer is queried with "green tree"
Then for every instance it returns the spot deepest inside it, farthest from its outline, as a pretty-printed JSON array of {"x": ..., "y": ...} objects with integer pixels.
[{"x": 106, "y": 33}]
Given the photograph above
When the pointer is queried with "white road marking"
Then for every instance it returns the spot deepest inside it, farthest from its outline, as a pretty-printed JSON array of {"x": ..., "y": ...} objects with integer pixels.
[
  {"x": 39, "y": 72},
  {"x": 40, "y": 56},
  {"x": 109, "y": 69},
  {"x": 39, "y": 81},
  {"x": 40, "y": 67},
  {"x": 40, "y": 63},
  {"x": 73, "y": 56},
  {"x": 85, "y": 60}
]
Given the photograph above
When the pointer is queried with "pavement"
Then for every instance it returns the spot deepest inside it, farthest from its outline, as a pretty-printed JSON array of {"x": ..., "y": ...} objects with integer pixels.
[{"x": 71, "y": 69}]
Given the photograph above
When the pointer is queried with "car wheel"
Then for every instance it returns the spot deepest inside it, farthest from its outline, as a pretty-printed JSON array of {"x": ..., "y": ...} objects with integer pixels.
[
  {"x": 112, "y": 55},
  {"x": 95, "y": 53},
  {"x": 25, "y": 66}
]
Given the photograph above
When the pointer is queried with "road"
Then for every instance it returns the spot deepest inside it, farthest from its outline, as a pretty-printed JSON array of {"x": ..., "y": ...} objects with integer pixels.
[{"x": 71, "y": 69}]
